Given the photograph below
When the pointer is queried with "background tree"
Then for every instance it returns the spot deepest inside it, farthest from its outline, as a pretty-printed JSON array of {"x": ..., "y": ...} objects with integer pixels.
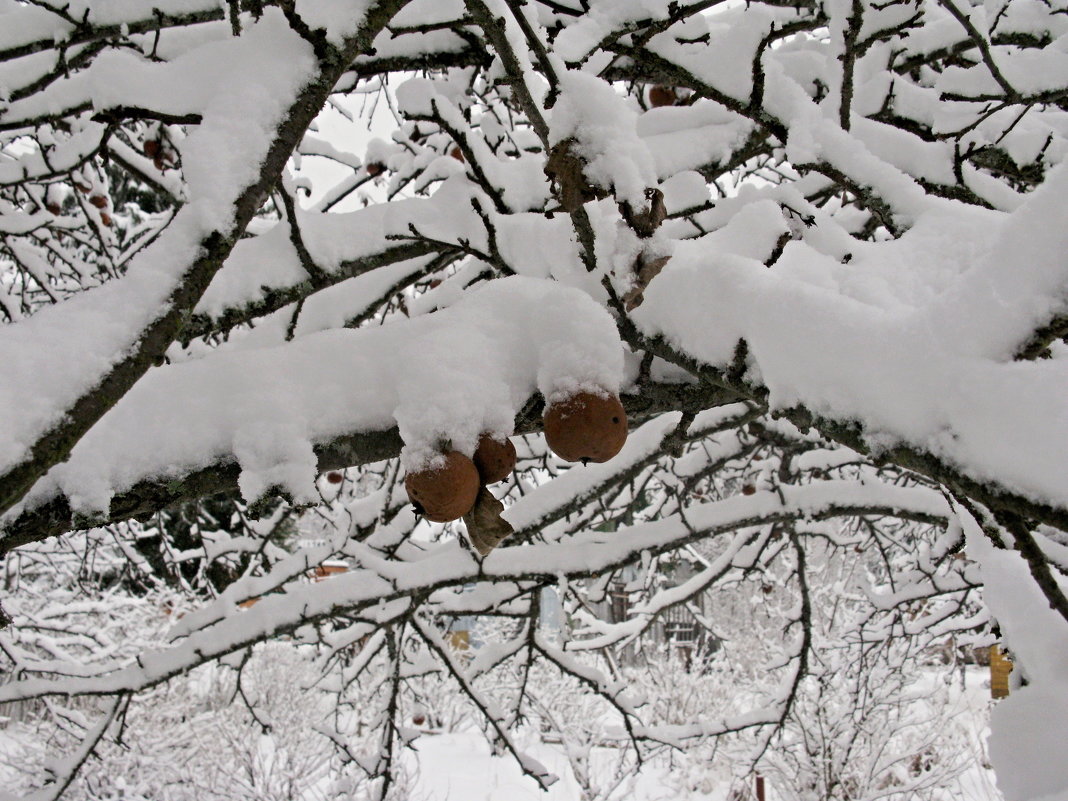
[{"x": 816, "y": 248}]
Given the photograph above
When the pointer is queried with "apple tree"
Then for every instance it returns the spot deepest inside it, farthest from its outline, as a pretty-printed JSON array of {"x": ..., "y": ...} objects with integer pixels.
[{"x": 264, "y": 262}]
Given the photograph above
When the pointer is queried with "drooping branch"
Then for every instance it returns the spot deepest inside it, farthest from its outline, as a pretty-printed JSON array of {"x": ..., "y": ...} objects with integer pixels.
[
  {"x": 55, "y": 516},
  {"x": 852, "y": 434},
  {"x": 373, "y": 583}
]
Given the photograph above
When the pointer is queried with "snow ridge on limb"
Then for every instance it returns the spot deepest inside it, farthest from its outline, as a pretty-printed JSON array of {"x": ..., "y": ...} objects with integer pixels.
[
  {"x": 94, "y": 371},
  {"x": 950, "y": 414},
  {"x": 51, "y": 512},
  {"x": 488, "y": 354}
]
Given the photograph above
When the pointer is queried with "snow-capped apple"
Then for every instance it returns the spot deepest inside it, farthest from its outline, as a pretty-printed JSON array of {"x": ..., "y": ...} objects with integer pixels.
[
  {"x": 446, "y": 490},
  {"x": 494, "y": 458},
  {"x": 662, "y": 96},
  {"x": 587, "y": 427}
]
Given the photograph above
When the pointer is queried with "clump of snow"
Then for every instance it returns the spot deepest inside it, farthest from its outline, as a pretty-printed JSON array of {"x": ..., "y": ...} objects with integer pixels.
[
  {"x": 517, "y": 335},
  {"x": 338, "y": 18},
  {"x": 275, "y": 454},
  {"x": 604, "y": 128},
  {"x": 415, "y": 97},
  {"x": 379, "y": 151},
  {"x": 451, "y": 375},
  {"x": 684, "y": 190}
]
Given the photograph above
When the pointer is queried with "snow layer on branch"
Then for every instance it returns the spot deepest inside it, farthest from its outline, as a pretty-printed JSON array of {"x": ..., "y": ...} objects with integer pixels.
[
  {"x": 539, "y": 247},
  {"x": 428, "y": 12},
  {"x": 604, "y": 17},
  {"x": 335, "y": 240},
  {"x": 52, "y": 358},
  {"x": 333, "y": 307},
  {"x": 686, "y": 137},
  {"x": 339, "y": 18},
  {"x": 641, "y": 445},
  {"x": 752, "y": 232},
  {"x": 1029, "y": 72},
  {"x": 21, "y": 24},
  {"x": 815, "y": 139},
  {"x": 931, "y": 161},
  {"x": 263, "y": 68},
  {"x": 529, "y": 242},
  {"x": 962, "y": 288},
  {"x": 268, "y": 260},
  {"x": 604, "y": 127},
  {"x": 725, "y": 60},
  {"x": 447, "y": 376}
]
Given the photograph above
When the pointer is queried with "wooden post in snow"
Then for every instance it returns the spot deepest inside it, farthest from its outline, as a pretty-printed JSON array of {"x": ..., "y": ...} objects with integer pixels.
[{"x": 1000, "y": 668}]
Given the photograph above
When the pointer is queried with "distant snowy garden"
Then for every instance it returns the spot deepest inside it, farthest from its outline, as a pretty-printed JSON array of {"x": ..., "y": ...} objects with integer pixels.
[{"x": 500, "y": 399}]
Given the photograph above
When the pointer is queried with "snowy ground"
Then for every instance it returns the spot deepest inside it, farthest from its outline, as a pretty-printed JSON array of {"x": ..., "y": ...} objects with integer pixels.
[
  {"x": 450, "y": 767},
  {"x": 460, "y": 766}
]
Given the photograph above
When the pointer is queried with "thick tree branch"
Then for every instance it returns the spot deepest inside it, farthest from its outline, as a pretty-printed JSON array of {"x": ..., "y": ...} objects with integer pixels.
[
  {"x": 56, "y": 443},
  {"x": 852, "y": 434},
  {"x": 54, "y": 516}
]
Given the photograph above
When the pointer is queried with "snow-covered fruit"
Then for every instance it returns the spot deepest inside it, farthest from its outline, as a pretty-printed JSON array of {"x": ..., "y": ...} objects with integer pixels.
[
  {"x": 662, "y": 96},
  {"x": 495, "y": 459},
  {"x": 446, "y": 490},
  {"x": 334, "y": 477},
  {"x": 587, "y": 427}
]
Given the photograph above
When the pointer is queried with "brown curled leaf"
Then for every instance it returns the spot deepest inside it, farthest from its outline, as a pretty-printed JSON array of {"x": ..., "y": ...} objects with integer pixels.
[
  {"x": 570, "y": 186},
  {"x": 485, "y": 526},
  {"x": 645, "y": 271}
]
